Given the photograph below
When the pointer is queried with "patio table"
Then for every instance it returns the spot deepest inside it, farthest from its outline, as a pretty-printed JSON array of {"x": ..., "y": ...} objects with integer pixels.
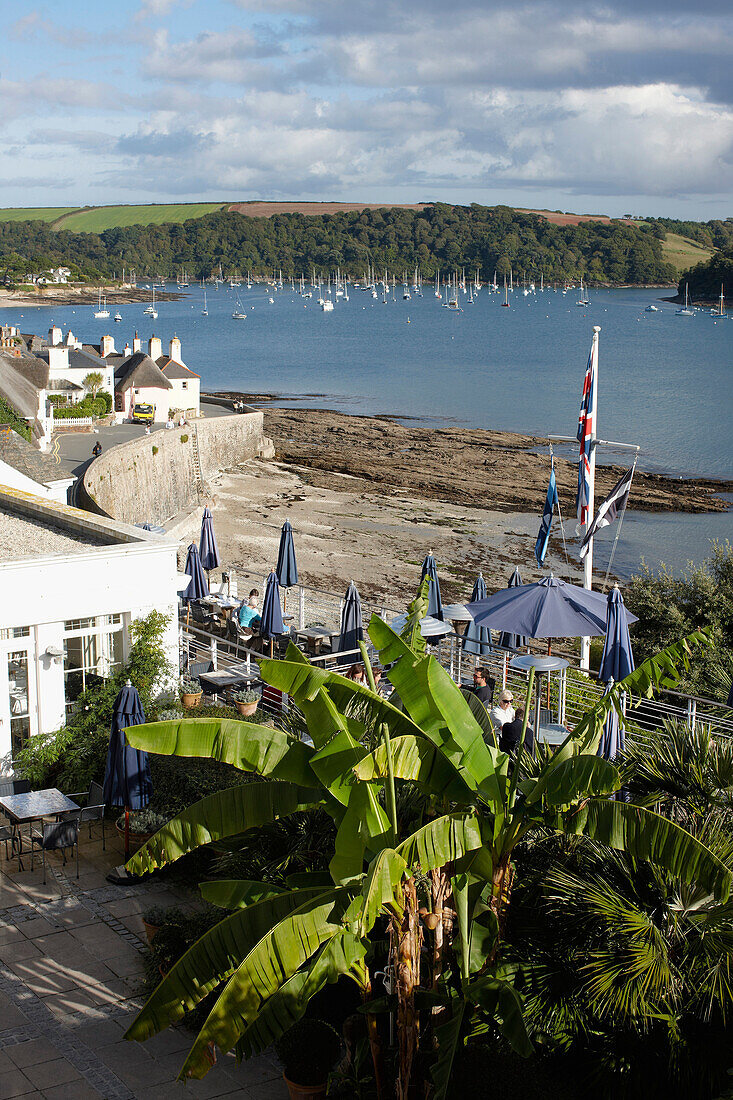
[
  {"x": 26, "y": 808},
  {"x": 552, "y": 733},
  {"x": 214, "y": 683},
  {"x": 315, "y": 636}
]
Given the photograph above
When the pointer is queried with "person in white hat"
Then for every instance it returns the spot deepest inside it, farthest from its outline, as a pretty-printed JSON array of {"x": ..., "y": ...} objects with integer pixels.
[{"x": 503, "y": 711}]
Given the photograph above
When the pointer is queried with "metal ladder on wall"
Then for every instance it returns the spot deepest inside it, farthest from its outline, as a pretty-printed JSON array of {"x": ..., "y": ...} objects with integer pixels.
[{"x": 197, "y": 462}]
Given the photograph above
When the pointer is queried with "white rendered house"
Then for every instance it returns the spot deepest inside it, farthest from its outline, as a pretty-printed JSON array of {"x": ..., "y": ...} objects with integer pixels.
[{"x": 71, "y": 584}]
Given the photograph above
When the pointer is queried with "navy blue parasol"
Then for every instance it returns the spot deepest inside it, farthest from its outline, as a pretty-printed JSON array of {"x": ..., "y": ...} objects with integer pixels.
[
  {"x": 549, "y": 609},
  {"x": 506, "y": 639},
  {"x": 127, "y": 779},
  {"x": 286, "y": 569},
  {"x": 197, "y": 589},
  {"x": 477, "y": 639},
  {"x": 617, "y": 660},
  {"x": 430, "y": 570},
  {"x": 352, "y": 630},
  {"x": 616, "y": 663},
  {"x": 208, "y": 549},
  {"x": 272, "y": 625}
]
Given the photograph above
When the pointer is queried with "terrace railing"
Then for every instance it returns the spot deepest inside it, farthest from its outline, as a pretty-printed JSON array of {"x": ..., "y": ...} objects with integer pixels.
[{"x": 571, "y": 692}]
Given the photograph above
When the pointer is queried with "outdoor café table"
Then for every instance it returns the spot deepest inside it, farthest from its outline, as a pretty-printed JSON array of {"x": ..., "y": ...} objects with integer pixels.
[
  {"x": 214, "y": 683},
  {"x": 314, "y": 637},
  {"x": 552, "y": 733},
  {"x": 27, "y": 808}
]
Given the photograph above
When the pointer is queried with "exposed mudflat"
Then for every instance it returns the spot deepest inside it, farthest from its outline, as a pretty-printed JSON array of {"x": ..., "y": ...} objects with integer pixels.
[{"x": 60, "y": 295}]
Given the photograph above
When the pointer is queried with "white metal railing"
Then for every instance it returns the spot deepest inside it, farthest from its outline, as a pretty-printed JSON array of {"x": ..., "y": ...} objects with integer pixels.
[{"x": 571, "y": 691}]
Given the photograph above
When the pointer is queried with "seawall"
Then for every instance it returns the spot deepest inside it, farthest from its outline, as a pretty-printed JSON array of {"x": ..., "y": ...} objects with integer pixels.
[{"x": 154, "y": 477}]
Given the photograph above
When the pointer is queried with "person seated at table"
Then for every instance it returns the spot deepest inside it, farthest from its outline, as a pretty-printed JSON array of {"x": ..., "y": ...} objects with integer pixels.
[
  {"x": 356, "y": 673},
  {"x": 483, "y": 685},
  {"x": 503, "y": 711},
  {"x": 249, "y": 613},
  {"x": 511, "y": 733}
]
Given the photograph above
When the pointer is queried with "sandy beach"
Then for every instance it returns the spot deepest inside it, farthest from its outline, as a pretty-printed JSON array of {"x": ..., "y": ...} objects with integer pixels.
[
  {"x": 61, "y": 295},
  {"x": 368, "y": 497}
]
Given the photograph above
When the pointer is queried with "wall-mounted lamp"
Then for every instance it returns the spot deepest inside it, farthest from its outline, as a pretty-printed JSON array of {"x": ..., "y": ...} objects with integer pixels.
[{"x": 54, "y": 654}]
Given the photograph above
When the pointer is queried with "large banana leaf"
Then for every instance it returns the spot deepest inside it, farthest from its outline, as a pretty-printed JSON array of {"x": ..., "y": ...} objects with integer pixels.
[
  {"x": 271, "y": 962},
  {"x": 212, "y": 959},
  {"x": 450, "y": 1039},
  {"x": 235, "y": 893},
  {"x": 570, "y": 781},
  {"x": 442, "y": 841},
  {"x": 339, "y": 956},
  {"x": 411, "y": 632},
  {"x": 417, "y": 759},
  {"x": 365, "y": 828},
  {"x": 381, "y": 884},
  {"x": 648, "y": 836},
  {"x": 247, "y": 746},
  {"x": 219, "y": 815},
  {"x": 502, "y": 1003},
  {"x": 662, "y": 671},
  {"x": 437, "y": 706}
]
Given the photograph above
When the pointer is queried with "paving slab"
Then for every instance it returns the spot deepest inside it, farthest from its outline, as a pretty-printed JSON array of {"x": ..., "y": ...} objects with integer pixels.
[
  {"x": 48, "y": 1074},
  {"x": 14, "y": 1083},
  {"x": 31, "y": 1053}
]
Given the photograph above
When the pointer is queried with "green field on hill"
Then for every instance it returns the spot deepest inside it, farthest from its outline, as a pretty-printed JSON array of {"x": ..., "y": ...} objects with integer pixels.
[
  {"x": 98, "y": 218},
  {"x": 34, "y": 213},
  {"x": 684, "y": 253}
]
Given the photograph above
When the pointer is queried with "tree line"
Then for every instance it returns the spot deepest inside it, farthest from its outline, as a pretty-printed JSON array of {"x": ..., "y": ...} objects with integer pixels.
[
  {"x": 438, "y": 238},
  {"x": 705, "y": 280}
]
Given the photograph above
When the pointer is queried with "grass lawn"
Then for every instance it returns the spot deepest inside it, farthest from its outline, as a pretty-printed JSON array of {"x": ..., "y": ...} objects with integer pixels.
[
  {"x": 683, "y": 253},
  {"x": 97, "y": 219},
  {"x": 34, "y": 213}
]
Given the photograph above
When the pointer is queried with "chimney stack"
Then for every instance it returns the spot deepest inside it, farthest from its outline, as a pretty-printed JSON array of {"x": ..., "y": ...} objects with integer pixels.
[
  {"x": 107, "y": 346},
  {"x": 155, "y": 348},
  {"x": 136, "y": 344},
  {"x": 55, "y": 335},
  {"x": 175, "y": 350},
  {"x": 127, "y": 352}
]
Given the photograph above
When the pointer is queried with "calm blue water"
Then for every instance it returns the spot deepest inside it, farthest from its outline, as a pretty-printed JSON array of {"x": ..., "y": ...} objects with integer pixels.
[{"x": 665, "y": 381}]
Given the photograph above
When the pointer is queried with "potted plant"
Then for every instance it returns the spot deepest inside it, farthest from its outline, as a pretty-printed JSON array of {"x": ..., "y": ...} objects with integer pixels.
[
  {"x": 142, "y": 825},
  {"x": 308, "y": 1051},
  {"x": 153, "y": 919},
  {"x": 246, "y": 702},
  {"x": 190, "y": 692}
]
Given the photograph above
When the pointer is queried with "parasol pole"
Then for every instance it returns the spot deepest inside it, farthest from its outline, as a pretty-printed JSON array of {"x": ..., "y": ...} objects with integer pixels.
[{"x": 588, "y": 560}]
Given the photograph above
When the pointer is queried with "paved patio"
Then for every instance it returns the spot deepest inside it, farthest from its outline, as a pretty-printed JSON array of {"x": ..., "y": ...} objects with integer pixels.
[{"x": 71, "y": 967}]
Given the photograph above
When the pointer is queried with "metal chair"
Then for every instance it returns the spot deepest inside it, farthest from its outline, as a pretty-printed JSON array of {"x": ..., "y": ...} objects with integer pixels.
[
  {"x": 57, "y": 837},
  {"x": 7, "y": 835},
  {"x": 93, "y": 809}
]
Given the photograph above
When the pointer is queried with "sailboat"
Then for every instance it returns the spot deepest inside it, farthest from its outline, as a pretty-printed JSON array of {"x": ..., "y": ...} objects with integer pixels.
[
  {"x": 506, "y": 295},
  {"x": 437, "y": 286},
  {"x": 239, "y": 314},
  {"x": 720, "y": 311},
  {"x": 583, "y": 299},
  {"x": 685, "y": 311},
  {"x": 204, "y": 311},
  {"x": 101, "y": 311},
  {"x": 151, "y": 310}
]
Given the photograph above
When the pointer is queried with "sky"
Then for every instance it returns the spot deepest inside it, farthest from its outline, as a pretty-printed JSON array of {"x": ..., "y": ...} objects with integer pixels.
[{"x": 617, "y": 107}]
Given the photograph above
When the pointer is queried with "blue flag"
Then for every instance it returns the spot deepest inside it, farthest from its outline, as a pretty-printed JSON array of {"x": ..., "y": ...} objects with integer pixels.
[{"x": 543, "y": 538}]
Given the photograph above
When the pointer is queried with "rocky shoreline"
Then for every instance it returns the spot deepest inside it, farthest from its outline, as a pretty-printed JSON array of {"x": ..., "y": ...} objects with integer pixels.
[
  {"x": 61, "y": 295},
  {"x": 504, "y": 471}
]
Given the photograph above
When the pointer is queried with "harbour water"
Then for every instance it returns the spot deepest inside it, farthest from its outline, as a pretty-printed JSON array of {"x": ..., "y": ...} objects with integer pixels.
[{"x": 665, "y": 381}]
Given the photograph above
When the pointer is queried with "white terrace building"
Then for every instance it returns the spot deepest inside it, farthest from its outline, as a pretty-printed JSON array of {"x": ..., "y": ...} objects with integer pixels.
[{"x": 70, "y": 585}]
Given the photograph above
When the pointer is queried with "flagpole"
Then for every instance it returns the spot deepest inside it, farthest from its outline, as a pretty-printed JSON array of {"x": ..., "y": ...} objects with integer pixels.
[{"x": 588, "y": 561}]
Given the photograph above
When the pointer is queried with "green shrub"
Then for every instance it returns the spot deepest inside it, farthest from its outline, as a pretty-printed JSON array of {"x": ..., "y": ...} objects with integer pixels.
[{"x": 10, "y": 418}]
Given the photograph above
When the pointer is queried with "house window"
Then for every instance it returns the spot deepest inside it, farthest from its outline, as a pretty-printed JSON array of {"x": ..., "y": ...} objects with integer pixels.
[
  {"x": 20, "y": 718},
  {"x": 14, "y": 632},
  {"x": 184, "y": 385},
  {"x": 93, "y": 649}
]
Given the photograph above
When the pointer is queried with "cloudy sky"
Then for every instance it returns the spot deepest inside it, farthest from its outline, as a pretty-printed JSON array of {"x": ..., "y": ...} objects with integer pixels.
[{"x": 604, "y": 107}]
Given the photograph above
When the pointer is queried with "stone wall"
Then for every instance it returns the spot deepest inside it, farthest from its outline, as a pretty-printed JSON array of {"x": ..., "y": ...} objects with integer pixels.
[{"x": 152, "y": 478}]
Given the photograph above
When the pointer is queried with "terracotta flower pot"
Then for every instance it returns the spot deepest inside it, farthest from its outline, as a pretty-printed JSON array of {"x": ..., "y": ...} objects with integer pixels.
[
  {"x": 247, "y": 709},
  {"x": 190, "y": 701},
  {"x": 150, "y": 930},
  {"x": 305, "y": 1092}
]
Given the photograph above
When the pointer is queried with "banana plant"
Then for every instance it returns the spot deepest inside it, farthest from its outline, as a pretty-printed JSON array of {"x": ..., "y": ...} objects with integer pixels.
[{"x": 279, "y": 946}]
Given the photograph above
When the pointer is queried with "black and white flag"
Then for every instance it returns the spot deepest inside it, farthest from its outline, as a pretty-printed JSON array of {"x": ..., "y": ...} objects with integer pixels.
[{"x": 614, "y": 503}]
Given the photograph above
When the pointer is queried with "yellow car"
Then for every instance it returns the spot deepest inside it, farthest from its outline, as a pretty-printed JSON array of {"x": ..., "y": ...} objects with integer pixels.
[{"x": 143, "y": 414}]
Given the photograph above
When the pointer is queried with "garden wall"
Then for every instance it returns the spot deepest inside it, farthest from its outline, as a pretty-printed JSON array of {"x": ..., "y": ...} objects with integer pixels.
[{"x": 152, "y": 478}]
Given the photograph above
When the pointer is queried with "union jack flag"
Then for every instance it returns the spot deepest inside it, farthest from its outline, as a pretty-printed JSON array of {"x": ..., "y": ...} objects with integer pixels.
[{"x": 585, "y": 431}]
